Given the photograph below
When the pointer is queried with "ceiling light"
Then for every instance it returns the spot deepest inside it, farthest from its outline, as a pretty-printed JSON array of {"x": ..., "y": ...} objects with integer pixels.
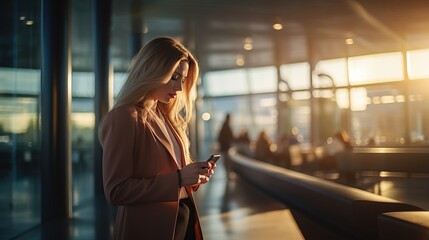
[
  {"x": 239, "y": 60},
  {"x": 248, "y": 46},
  {"x": 349, "y": 41},
  {"x": 277, "y": 26}
]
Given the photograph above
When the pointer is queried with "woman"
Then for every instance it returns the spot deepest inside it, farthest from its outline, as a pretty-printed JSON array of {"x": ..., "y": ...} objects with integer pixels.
[{"x": 147, "y": 167}]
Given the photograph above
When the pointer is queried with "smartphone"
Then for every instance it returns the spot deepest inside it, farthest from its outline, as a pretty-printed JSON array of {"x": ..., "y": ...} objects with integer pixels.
[{"x": 213, "y": 158}]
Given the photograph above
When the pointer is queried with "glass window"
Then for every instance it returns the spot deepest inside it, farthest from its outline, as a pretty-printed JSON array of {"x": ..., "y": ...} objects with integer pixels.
[
  {"x": 263, "y": 79},
  {"x": 20, "y": 80},
  {"x": 386, "y": 67},
  {"x": 419, "y": 112},
  {"x": 264, "y": 114},
  {"x": 297, "y": 75},
  {"x": 82, "y": 133},
  {"x": 418, "y": 64},
  {"x": 83, "y": 84},
  {"x": 118, "y": 81},
  {"x": 378, "y": 113},
  {"x": 214, "y": 111},
  {"x": 333, "y": 70},
  {"x": 250, "y": 112},
  {"x": 230, "y": 82},
  {"x": 82, "y": 113},
  {"x": 295, "y": 114},
  {"x": 19, "y": 164}
]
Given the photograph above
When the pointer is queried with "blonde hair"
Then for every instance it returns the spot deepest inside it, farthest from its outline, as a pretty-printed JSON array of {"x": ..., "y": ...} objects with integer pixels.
[{"x": 154, "y": 65}]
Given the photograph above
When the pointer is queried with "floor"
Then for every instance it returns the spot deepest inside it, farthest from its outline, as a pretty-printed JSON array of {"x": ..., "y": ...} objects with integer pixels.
[{"x": 229, "y": 209}]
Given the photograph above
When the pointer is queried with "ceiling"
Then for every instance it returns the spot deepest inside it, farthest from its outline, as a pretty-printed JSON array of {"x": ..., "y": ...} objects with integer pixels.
[{"x": 215, "y": 30}]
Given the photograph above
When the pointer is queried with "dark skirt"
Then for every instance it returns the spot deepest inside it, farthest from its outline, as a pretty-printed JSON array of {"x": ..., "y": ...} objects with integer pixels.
[{"x": 185, "y": 221}]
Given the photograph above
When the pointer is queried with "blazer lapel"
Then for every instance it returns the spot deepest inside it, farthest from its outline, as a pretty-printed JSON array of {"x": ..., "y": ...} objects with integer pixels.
[
  {"x": 161, "y": 135},
  {"x": 176, "y": 135}
]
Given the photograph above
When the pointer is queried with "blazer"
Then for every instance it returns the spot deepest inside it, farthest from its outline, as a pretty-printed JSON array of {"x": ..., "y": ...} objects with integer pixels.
[{"x": 139, "y": 176}]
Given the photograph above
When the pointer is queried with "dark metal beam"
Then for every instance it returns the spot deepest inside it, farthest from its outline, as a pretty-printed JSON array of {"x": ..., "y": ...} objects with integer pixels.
[{"x": 55, "y": 110}]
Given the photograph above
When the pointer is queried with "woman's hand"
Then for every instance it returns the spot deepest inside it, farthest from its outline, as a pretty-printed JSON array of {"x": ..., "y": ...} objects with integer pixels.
[{"x": 197, "y": 173}]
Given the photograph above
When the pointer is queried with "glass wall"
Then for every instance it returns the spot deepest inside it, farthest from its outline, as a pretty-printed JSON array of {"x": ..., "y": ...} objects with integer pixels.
[
  {"x": 371, "y": 97},
  {"x": 251, "y": 103},
  {"x": 20, "y": 76},
  {"x": 82, "y": 113},
  {"x": 82, "y": 124}
]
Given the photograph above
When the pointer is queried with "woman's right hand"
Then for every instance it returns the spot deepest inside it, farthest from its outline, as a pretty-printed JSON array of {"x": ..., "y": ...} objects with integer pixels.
[{"x": 197, "y": 173}]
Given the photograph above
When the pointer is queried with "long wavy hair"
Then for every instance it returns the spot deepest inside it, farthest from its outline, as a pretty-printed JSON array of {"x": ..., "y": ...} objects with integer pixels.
[{"x": 152, "y": 67}]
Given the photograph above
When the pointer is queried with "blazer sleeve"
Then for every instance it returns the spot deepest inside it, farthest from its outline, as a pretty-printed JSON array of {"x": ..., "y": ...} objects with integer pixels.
[{"x": 120, "y": 186}]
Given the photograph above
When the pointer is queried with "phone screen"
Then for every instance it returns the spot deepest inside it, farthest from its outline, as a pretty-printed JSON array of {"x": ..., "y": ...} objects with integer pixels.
[{"x": 213, "y": 158}]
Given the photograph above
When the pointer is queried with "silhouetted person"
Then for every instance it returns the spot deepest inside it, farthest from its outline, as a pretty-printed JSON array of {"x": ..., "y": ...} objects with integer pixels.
[
  {"x": 262, "y": 149},
  {"x": 286, "y": 140},
  {"x": 225, "y": 140},
  {"x": 340, "y": 142},
  {"x": 371, "y": 142},
  {"x": 242, "y": 143}
]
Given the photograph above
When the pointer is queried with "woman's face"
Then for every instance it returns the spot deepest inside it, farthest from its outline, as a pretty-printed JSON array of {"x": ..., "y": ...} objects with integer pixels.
[{"x": 169, "y": 89}]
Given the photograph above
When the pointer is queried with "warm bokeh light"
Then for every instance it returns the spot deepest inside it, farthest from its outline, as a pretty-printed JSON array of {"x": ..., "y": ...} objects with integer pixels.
[
  {"x": 206, "y": 116},
  {"x": 349, "y": 41},
  {"x": 277, "y": 26},
  {"x": 240, "y": 60},
  {"x": 248, "y": 46},
  {"x": 294, "y": 130}
]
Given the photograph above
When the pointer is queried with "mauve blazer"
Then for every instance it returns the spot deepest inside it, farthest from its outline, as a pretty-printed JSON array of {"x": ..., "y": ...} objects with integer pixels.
[{"x": 139, "y": 176}]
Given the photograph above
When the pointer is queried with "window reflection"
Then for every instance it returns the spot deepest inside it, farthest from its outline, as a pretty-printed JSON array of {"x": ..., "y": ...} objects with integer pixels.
[
  {"x": 20, "y": 175},
  {"x": 19, "y": 164},
  {"x": 82, "y": 124}
]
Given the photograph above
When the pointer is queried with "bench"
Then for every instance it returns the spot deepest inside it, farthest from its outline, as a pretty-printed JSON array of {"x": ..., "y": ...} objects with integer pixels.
[{"x": 348, "y": 210}]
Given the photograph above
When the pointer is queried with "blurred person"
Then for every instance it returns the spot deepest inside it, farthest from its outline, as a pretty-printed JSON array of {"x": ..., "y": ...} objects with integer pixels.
[
  {"x": 371, "y": 142},
  {"x": 263, "y": 147},
  {"x": 225, "y": 140},
  {"x": 285, "y": 141},
  {"x": 242, "y": 143},
  {"x": 226, "y": 136},
  {"x": 339, "y": 142},
  {"x": 148, "y": 171}
]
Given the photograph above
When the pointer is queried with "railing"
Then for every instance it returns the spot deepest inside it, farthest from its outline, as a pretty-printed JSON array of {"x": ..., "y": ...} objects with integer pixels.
[{"x": 350, "y": 212}]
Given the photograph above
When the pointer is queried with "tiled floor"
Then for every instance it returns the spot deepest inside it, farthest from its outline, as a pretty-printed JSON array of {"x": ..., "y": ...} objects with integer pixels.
[{"x": 230, "y": 209}]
